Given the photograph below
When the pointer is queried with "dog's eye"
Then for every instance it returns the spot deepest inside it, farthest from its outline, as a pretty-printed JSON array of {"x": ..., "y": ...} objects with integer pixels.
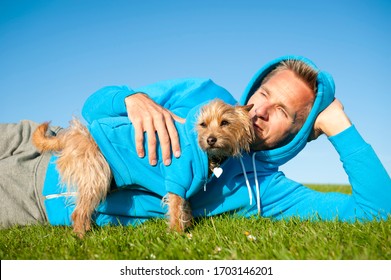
[
  {"x": 203, "y": 124},
  {"x": 224, "y": 123}
]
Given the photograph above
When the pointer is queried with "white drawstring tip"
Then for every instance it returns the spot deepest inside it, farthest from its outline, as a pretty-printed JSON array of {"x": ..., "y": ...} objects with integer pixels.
[
  {"x": 257, "y": 186},
  {"x": 250, "y": 196}
]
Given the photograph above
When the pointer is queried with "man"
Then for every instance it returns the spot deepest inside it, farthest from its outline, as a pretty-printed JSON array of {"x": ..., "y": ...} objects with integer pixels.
[
  {"x": 283, "y": 96},
  {"x": 293, "y": 103}
]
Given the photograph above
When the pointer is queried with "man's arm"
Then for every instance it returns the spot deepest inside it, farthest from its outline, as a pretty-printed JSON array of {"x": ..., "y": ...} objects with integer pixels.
[
  {"x": 145, "y": 114},
  {"x": 154, "y": 112},
  {"x": 148, "y": 116},
  {"x": 106, "y": 102},
  {"x": 331, "y": 121},
  {"x": 371, "y": 184}
]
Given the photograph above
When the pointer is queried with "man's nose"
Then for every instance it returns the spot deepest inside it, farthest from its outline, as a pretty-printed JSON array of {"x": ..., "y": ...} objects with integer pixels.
[{"x": 262, "y": 111}]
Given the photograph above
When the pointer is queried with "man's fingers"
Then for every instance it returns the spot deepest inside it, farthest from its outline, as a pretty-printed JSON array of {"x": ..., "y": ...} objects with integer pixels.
[
  {"x": 151, "y": 135},
  {"x": 165, "y": 140},
  {"x": 158, "y": 125},
  {"x": 139, "y": 138},
  {"x": 175, "y": 144},
  {"x": 178, "y": 119},
  {"x": 174, "y": 138}
]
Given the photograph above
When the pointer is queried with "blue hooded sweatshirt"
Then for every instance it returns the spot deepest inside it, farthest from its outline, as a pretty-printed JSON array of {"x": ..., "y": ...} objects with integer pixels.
[{"x": 250, "y": 185}]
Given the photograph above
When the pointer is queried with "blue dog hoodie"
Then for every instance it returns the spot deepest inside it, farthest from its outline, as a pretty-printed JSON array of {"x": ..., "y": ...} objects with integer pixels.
[{"x": 184, "y": 176}]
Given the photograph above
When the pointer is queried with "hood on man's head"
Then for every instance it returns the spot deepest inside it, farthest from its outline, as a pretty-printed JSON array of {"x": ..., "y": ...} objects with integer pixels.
[{"x": 324, "y": 96}]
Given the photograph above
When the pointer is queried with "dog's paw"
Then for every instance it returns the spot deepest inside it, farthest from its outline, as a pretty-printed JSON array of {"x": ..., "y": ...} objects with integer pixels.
[{"x": 180, "y": 216}]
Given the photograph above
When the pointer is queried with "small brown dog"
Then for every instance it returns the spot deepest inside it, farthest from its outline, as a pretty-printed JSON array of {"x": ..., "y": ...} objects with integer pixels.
[{"x": 223, "y": 131}]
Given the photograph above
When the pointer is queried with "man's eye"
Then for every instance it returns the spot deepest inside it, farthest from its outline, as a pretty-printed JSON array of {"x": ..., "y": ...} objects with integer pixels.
[
  {"x": 263, "y": 92},
  {"x": 282, "y": 111},
  {"x": 224, "y": 123}
]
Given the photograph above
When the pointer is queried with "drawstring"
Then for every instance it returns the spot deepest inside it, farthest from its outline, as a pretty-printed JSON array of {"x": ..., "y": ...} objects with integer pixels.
[
  {"x": 257, "y": 186},
  {"x": 250, "y": 196},
  {"x": 256, "y": 183}
]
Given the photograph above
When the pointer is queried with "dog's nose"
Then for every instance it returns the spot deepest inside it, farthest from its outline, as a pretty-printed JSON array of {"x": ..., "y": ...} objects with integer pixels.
[{"x": 211, "y": 140}]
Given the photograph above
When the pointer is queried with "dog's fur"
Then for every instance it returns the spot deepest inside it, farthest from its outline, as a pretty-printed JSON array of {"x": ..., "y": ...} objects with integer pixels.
[
  {"x": 81, "y": 166},
  {"x": 223, "y": 131}
]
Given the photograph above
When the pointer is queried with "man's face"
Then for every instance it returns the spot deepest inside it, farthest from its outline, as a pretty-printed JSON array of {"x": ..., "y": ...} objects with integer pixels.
[{"x": 277, "y": 105}]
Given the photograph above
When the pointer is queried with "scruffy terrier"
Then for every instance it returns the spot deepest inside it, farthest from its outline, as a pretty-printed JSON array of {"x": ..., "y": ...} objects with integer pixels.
[{"x": 223, "y": 131}]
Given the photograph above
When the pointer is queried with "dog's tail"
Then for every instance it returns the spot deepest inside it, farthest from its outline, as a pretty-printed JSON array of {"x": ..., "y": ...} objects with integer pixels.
[{"x": 46, "y": 143}]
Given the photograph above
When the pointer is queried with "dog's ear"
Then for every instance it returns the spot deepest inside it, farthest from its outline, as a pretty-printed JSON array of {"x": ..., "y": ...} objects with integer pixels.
[{"x": 247, "y": 107}]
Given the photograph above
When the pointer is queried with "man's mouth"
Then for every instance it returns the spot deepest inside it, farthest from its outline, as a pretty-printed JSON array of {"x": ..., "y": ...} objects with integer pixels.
[{"x": 257, "y": 127}]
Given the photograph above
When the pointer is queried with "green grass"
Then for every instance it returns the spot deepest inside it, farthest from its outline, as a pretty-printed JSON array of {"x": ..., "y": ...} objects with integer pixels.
[
  {"x": 216, "y": 238},
  {"x": 347, "y": 189}
]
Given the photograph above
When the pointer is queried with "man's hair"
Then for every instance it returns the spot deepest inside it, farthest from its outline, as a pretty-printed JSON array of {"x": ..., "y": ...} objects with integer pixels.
[
  {"x": 302, "y": 70},
  {"x": 305, "y": 73}
]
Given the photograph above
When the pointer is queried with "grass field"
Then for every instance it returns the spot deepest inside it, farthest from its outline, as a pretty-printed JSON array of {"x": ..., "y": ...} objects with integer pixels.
[{"x": 215, "y": 238}]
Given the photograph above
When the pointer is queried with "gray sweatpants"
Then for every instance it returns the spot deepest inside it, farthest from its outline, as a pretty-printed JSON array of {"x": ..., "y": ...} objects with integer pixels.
[{"x": 22, "y": 174}]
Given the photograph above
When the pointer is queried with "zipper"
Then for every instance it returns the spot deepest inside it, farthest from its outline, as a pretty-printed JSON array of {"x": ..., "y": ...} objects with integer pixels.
[{"x": 65, "y": 194}]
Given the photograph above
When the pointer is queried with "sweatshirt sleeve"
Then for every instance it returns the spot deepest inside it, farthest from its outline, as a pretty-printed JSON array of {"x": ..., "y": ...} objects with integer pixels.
[
  {"x": 181, "y": 95},
  {"x": 106, "y": 102},
  {"x": 371, "y": 184},
  {"x": 179, "y": 175},
  {"x": 178, "y": 96}
]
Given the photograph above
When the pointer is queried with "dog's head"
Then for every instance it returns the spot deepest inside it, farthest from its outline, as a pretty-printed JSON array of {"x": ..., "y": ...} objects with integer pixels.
[{"x": 224, "y": 130}]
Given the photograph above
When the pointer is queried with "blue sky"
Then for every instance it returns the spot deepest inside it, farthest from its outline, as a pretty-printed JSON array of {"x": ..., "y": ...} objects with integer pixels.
[{"x": 54, "y": 54}]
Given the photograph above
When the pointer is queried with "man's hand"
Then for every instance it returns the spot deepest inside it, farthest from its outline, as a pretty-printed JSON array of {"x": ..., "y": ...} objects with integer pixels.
[
  {"x": 331, "y": 121},
  {"x": 148, "y": 116}
]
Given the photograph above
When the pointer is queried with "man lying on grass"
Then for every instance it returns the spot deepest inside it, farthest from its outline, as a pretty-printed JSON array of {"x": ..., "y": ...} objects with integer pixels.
[{"x": 293, "y": 104}]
